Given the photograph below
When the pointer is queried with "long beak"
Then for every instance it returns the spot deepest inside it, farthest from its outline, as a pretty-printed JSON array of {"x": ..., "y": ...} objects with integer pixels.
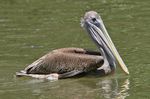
[{"x": 102, "y": 38}]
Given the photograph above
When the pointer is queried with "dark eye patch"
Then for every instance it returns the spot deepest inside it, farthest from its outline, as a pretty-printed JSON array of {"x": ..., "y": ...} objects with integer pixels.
[{"x": 93, "y": 19}]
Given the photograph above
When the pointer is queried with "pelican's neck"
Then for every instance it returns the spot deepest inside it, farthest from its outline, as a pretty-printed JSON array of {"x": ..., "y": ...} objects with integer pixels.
[
  {"x": 109, "y": 60},
  {"x": 109, "y": 63}
]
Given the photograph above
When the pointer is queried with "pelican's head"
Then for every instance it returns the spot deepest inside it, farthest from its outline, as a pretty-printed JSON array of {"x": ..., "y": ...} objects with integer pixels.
[{"x": 93, "y": 24}]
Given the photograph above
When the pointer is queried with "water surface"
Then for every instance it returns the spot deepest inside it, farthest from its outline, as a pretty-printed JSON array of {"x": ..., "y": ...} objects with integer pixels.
[{"x": 32, "y": 28}]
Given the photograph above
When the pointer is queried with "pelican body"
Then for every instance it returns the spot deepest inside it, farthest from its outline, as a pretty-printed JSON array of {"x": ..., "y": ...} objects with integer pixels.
[{"x": 68, "y": 62}]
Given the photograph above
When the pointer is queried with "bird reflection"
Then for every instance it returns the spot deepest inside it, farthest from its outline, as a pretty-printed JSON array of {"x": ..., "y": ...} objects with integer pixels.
[
  {"x": 92, "y": 88},
  {"x": 113, "y": 89}
]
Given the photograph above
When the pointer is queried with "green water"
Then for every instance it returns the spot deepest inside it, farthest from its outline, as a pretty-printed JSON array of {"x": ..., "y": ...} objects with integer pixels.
[{"x": 31, "y": 28}]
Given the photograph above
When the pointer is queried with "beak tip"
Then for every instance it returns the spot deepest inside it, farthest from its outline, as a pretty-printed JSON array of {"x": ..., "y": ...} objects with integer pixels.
[
  {"x": 127, "y": 71},
  {"x": 124, "y": 68}
]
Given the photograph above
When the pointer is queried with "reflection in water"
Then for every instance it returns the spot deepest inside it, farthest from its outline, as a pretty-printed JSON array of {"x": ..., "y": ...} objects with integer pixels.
[
  {"x": 106, "y": 88},
  {"x": 124, "y": 89},
  {"x": 80, "y": 88},
  {"x": 112, "y": 90}
]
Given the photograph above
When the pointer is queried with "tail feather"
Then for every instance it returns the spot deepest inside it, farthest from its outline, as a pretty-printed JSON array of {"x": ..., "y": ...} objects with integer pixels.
[{"x": 21, "y": 73}]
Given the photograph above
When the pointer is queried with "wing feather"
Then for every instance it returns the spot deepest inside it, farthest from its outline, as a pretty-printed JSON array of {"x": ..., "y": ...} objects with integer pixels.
[{"x": 65, "y": 60}]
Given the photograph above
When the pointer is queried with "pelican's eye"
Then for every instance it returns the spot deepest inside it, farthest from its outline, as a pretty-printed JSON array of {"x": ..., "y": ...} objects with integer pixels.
[{"x": 93, "y": 19}]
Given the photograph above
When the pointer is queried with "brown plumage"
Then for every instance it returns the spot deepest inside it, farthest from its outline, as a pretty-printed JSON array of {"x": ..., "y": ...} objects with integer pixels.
[{"x": 66, "y": 62}]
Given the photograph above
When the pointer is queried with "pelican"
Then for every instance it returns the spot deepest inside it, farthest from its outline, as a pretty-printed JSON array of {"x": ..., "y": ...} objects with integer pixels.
[{"x": 68, "y": 62}]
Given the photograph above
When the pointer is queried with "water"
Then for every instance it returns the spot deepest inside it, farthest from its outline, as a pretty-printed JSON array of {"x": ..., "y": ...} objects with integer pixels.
[{"x": 31, "y": 28}]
